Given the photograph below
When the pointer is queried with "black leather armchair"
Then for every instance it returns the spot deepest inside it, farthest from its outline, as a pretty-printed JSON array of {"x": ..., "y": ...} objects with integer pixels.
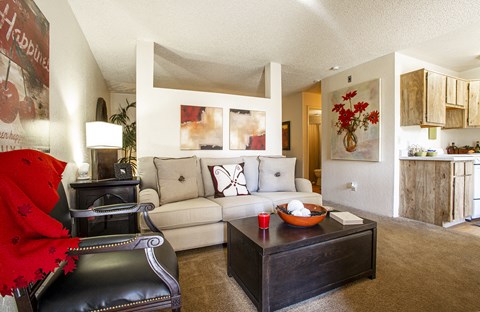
[{"x": 128, "y": 272}]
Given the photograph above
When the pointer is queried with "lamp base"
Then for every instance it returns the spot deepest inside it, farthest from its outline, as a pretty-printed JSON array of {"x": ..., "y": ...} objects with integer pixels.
[{"x": 102, "y": 163}]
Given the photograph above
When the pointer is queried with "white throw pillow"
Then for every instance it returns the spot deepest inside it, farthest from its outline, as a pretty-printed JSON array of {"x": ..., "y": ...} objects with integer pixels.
[{"x": 276, "y": 174}]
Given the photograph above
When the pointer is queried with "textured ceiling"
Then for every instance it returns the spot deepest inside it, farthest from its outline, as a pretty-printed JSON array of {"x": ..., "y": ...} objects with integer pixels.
[{"x": 223, "y": 46}]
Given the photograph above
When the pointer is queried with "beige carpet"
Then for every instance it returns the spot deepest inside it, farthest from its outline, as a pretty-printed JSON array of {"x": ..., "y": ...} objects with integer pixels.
[{"x": 420, "y": 267}]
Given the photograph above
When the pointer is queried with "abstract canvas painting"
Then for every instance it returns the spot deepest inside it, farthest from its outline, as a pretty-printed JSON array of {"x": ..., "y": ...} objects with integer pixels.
[
  {"x": 355, "y": 122},
  {"x": 286, "y": 135},
  {"x": 201, "y": 128},
  {"x": 247, "y": 130},
  {"x": 24, "y": 76}
]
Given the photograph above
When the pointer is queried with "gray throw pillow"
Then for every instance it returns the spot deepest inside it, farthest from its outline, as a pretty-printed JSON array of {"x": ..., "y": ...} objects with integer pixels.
[
  {"x": 276, "y": 174},
  {"x": 177, "y": 179}
]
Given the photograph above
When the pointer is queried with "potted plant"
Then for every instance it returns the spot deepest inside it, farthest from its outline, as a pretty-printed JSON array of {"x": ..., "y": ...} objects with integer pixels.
[{"x": 129, "y": 134}]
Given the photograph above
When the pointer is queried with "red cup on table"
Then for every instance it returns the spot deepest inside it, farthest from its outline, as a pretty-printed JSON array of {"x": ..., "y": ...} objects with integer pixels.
[{"x": 263, "y": 220}]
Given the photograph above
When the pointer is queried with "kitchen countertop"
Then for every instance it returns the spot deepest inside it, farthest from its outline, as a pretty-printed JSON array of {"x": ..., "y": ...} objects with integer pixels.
[{"x": 444, "y": 157}]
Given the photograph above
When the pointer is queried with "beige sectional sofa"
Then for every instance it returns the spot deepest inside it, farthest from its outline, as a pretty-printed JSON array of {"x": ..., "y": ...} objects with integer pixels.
[{"x": 188, "y": 193}]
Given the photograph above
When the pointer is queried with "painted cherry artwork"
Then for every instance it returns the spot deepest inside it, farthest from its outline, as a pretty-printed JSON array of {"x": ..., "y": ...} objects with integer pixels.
[
  {"x": 9, "y": 101},
  {"x": 26, "y": 110}
]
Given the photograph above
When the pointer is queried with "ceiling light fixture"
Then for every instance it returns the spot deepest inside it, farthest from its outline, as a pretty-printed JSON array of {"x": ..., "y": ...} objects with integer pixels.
[{"x": 336, "y": 67}]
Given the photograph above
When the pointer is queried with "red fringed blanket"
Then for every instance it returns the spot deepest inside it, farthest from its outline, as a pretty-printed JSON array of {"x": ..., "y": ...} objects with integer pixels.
[{"x": 32, "y": 243}]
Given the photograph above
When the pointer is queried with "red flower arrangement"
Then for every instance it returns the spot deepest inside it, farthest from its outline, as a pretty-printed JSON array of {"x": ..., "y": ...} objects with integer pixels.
[{"x": 352, "y": 118}]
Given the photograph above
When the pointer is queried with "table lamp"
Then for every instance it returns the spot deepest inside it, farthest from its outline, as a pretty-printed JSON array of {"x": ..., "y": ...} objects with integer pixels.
[{"x": 104, "y": 139}]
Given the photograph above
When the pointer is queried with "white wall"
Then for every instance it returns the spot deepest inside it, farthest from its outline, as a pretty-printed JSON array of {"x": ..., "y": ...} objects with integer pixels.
[
  {"x": 375, "y": 180},
  {"x": 158, "y": 111},
  {"x": 292, "y": 111},
  {"x": 119, "y": 99},
  {"x": 75, "y": 84}
]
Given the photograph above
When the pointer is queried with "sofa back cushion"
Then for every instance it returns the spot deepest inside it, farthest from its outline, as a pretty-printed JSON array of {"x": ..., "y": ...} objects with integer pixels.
[
  {"x": 207, "y": 178},
  {"x": 177, "y": 179},
  {"x": 276, "y": 174},
  {"x": 251, "y": 172}
]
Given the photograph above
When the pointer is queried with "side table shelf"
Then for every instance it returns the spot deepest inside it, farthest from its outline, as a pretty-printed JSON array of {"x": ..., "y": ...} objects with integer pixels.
[{"x": 92, "y": 193}]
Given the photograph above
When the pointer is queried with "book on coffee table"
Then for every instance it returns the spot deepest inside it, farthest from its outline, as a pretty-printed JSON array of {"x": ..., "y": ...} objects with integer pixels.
[{"x": 345, "y": 217}]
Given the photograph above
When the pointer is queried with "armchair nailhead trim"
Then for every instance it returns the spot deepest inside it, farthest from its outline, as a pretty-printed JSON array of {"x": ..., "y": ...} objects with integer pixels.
[
  {"x": 162, "y": 298},
  {"x": 110, "y": 210},
  {"x": 104, "y": 246}
]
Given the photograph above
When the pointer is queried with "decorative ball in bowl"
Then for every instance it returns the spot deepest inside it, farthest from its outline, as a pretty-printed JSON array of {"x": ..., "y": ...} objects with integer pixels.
[{"x": 317, "y": 214}]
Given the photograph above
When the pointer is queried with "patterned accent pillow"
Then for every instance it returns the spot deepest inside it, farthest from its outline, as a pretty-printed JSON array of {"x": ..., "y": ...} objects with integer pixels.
[{"x": 229, "y": 180}]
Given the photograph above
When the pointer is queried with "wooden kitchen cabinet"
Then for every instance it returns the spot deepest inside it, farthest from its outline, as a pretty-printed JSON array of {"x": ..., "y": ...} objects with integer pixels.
[
  {"x": 455, "y": 119},
  {"x": 456, "y": 93},
  {"x": 456, "y": 103},
  {"x": 463, "y": 190},
  {"x": 474, "y": 104},
  {"x": 422, "y": 99},
  {"x": 436, "y": 191},
  {"x": 462, "y": 93}
]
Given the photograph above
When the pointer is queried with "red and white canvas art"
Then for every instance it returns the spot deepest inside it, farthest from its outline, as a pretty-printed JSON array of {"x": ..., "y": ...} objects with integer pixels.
[
  {"x": 201, "y": 128},
  {"x": 24, "y": 76},
  {"x": 247, "y": 129}
]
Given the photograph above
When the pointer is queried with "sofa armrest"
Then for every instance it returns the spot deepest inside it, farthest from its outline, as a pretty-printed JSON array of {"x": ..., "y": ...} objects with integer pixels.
[
  {"x": 149, "y": 196},
  {"x": 303, "y": 185}
]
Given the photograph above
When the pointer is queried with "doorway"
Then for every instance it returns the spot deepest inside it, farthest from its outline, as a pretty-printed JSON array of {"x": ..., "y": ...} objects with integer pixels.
[
  {"x": 315, "y": 146},
  {"x": 312, "y": 136}
]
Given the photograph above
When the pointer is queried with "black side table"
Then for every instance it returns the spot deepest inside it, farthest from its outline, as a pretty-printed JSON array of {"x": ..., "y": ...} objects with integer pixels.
[{"x": 105, "y": 192}]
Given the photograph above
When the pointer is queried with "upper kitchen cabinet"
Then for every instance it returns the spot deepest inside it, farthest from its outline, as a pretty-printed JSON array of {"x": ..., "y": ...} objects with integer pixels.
[
  {"x": 474, "y": 104},
  {"x": 456, "y": 103},
  {"x": 457, "y": 93},
  {"x": 422, "y": 99}
]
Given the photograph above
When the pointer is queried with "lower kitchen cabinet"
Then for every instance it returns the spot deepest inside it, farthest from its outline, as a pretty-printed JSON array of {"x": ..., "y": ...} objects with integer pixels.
[{"x": 435, "y": 191}]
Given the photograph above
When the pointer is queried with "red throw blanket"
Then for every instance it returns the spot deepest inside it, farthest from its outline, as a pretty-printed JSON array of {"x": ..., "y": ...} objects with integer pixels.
[{"x": 32, "y": 243}]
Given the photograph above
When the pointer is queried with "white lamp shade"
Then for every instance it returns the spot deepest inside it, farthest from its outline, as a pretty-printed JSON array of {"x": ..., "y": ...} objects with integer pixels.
[{"x": 103, "y": 135}]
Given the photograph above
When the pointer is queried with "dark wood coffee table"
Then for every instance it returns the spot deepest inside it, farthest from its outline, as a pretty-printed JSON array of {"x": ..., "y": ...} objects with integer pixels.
[{"x": 284, "y": 265}]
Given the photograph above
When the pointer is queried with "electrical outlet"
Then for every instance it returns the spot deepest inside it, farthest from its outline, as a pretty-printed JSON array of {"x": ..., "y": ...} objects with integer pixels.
[
  {"x": 349, "y": 79},
  {"x": 352, "y": 186}
]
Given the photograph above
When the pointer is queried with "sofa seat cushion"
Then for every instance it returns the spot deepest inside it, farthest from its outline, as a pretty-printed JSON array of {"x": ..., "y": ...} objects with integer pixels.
[
  {"x": 242, "y": 206},
  {"x": 185, "y": 213},
  {"x": 284, "y": 197}
]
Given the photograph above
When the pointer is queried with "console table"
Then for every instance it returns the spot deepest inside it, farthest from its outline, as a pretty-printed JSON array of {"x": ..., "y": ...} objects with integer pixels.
[
  {"x": 284, "y": 265},
  {"x": 105, "y": 192}
]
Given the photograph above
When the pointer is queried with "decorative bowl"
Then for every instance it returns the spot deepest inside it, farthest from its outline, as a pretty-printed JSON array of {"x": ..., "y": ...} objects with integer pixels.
[{"x": 292, "y": 220}]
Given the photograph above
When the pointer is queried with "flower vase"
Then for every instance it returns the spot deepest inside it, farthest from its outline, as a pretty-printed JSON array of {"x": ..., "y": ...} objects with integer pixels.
[{"x": 350, "y": 141}]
